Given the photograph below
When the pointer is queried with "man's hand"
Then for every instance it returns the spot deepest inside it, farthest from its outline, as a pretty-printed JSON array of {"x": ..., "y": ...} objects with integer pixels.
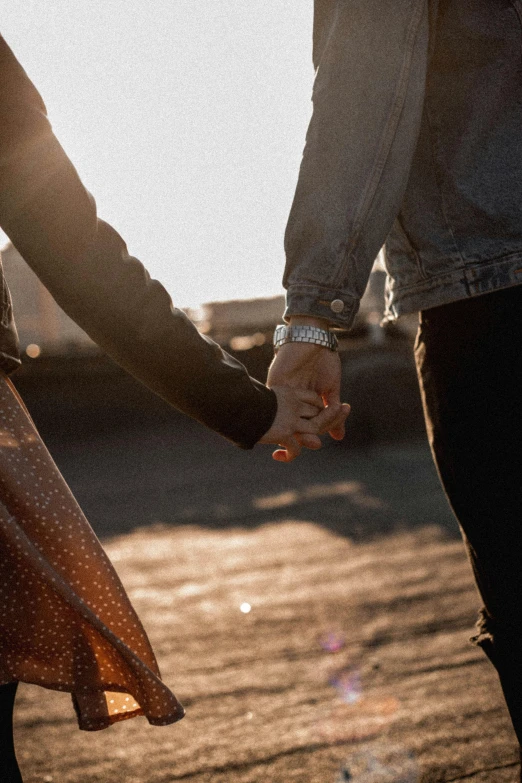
[
  {"x": 312, "y": 367},
  {"x": 301, "y": 417}
]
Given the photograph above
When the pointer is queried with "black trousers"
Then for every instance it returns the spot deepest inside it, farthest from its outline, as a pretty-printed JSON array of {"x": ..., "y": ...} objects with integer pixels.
[{"x": 469, "y": 361}]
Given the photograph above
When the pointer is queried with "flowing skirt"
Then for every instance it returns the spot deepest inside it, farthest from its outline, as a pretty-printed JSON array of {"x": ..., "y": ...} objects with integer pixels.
[{"x": 65, "y": 620}]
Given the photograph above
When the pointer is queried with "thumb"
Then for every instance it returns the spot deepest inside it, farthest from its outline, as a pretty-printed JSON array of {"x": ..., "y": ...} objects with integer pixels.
[{"x": 291, "y": 449}]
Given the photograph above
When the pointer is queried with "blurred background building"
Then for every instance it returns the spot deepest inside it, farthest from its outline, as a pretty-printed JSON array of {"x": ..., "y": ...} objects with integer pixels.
[
  {"x": 43, "y": 327},
  {"x": 378, "y": 374},
  {"x": 240, "y": 325}
]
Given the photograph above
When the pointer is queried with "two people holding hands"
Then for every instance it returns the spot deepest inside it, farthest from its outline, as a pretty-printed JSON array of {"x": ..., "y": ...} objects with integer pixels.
[
  {"x": 417, "y": 121},
  {"x": 65, "y": 620}
]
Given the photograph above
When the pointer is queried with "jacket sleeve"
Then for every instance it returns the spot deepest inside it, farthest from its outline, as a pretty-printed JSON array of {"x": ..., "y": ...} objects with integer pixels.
[
  {"x": 371, "y": 58},
  {"x": 51, "y": 219}
]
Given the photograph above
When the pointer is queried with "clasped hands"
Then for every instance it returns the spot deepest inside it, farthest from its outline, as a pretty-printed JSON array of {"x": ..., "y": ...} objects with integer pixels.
[{"x": 306, "y": 380}]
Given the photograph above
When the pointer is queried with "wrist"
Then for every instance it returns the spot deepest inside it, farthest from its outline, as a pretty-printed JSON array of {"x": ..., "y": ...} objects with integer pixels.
[
  {"x": 304, "y": 333},
  {"x": 308, "y": 320}
]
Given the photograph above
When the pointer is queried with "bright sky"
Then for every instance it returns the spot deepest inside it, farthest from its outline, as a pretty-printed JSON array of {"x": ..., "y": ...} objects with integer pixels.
[{"x": 186, "y": 119}]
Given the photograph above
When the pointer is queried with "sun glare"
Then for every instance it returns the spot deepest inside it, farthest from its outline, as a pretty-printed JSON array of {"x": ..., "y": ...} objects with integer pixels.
[{"x": 186, "y": 120}]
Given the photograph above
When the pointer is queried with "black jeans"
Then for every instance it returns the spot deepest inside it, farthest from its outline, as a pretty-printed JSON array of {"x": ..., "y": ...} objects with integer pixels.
[{"x": 469, "y": 361}]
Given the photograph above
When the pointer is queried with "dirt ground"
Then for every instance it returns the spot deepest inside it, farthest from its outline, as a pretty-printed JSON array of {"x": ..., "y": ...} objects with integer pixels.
[{"x": 313, "y": 618}]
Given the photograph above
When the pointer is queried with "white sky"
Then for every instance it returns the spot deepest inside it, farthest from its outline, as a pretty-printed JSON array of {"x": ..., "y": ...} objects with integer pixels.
[{"x": 186, "y": 119}]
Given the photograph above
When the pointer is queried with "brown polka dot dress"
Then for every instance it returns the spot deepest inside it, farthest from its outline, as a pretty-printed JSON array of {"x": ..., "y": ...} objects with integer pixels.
[{"x": 65, "y": 620}]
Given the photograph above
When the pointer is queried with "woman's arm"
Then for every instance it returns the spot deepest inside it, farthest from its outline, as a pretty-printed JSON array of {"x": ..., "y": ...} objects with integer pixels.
[{"x": 51, "y": 219}]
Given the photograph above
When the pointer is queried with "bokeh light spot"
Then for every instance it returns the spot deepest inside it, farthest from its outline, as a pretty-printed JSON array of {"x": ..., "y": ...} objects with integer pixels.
[{"x": 33, "y": 351}]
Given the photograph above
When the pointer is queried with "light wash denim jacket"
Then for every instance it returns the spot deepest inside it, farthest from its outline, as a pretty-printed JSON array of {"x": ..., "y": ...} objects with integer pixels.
[{"x": 415, "y": 143}]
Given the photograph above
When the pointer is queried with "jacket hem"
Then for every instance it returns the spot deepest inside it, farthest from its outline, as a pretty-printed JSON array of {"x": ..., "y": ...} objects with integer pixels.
[{"x": 470, "y": 281}]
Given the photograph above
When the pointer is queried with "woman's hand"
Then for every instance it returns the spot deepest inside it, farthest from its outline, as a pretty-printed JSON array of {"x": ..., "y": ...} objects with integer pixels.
[{"x": 301, "y": 417}]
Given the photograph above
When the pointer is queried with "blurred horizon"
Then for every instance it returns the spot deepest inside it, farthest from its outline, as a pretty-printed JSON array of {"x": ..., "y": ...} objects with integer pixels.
[{"x": 187, "y": 121}]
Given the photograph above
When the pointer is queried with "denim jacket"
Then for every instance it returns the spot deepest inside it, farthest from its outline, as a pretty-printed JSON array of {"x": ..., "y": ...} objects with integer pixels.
[
  {"x": 51, "y": 219},
  {"x": 415, "y": 143}
]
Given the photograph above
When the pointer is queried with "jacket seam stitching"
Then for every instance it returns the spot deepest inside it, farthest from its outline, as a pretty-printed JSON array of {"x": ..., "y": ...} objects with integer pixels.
[
  {"x": 387, "y": 137},
  {"x": 320, "y": 42},
  {"x": 436, "y": 155},
  {"x": 315, "y": 287},
  {"x": 454, "y": 274},
  {"x": 517, "y": 5},
  {"x": 411, "y": 249}
]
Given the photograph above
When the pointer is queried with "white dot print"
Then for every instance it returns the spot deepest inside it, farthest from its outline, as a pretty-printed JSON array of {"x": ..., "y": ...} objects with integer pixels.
[{"x": 65, "y": 620}]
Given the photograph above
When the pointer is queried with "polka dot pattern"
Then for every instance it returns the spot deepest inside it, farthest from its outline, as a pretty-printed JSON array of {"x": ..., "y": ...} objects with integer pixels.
[{"x": 65, "y": 620}]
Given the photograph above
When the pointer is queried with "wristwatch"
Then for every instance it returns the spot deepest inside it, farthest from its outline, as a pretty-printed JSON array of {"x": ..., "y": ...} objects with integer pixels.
[{"x": 304, "y": 334}]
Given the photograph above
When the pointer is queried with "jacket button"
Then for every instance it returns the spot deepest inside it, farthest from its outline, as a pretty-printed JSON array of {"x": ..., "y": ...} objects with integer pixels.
[{"x": 337, "y": 306}]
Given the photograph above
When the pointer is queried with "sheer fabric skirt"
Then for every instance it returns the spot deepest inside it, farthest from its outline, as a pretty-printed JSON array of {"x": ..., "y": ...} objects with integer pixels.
[{"x": 65, "y": 620}]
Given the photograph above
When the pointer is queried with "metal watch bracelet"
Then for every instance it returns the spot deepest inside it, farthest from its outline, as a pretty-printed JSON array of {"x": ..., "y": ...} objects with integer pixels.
[{"x": 304, "y": 334}]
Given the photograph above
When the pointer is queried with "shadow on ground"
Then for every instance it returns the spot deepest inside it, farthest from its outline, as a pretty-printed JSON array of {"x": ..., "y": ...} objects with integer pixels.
[
  {"x": 130, "y": 459},
  {"x": 313, "y": 618}
]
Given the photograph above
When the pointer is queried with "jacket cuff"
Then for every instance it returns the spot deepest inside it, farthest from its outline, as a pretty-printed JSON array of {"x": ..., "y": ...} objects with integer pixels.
[{"x": 333, "y": 305}]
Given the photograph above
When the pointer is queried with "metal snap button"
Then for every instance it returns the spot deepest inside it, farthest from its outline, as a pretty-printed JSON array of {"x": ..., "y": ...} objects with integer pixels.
[{"x": 337, "y": 306}]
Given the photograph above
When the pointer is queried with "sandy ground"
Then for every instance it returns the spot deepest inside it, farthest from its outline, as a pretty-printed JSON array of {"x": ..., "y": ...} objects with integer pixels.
[{"x": 353, "y": 662}]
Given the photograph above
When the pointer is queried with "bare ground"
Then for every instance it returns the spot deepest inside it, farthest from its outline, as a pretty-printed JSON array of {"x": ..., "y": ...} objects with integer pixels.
[{"x": 354, "y": 655}]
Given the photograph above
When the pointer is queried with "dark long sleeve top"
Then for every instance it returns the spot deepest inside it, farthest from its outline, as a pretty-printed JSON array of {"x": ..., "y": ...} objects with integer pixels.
[{"x": 51, "y": 219}]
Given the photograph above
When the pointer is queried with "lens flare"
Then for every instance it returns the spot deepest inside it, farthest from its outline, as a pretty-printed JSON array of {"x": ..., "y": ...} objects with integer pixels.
[
  {"x": 360, "y": 721},
  {"x": 332, "y": 641},
  {"x": 347, "y": 683},
  {"x": 344, "y": 723},
  {"x": 381, "y": 764}
]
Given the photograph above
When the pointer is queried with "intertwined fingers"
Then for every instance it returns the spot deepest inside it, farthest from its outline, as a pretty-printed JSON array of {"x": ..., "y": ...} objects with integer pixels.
[
  {"x": 311, "y": 397},
  {"x": 329, "y": 418},
  {"x": 307, "y": 411}
]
